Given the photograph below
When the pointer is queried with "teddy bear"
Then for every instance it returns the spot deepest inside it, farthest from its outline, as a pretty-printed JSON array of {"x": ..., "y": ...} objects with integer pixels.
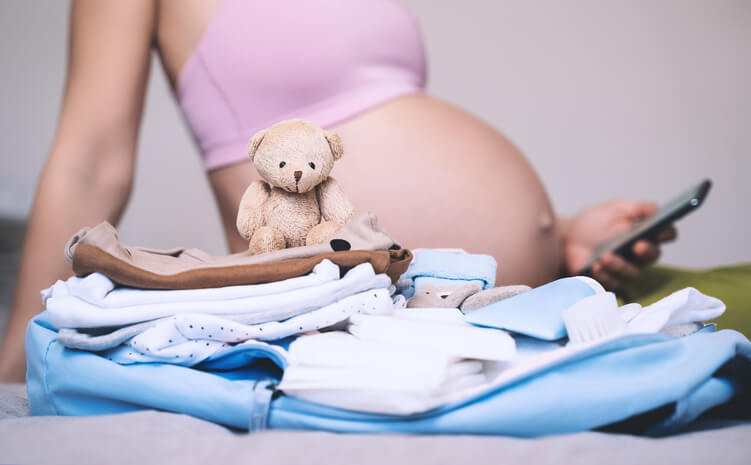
[
  {"x": 296, "y": 203},
  {"x": 466, "y": 297}
]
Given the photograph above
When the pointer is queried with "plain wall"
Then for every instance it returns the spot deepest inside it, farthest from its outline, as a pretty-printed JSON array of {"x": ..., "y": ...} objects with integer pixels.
[{"x": 635, "y": 99}]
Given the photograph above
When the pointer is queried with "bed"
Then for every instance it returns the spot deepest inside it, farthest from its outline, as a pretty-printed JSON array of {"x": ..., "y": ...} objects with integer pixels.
[{"x": 158, "y": 437}]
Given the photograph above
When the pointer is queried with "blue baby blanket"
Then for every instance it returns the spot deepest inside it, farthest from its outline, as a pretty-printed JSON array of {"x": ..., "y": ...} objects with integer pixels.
[{"x": 598, "y": 386}]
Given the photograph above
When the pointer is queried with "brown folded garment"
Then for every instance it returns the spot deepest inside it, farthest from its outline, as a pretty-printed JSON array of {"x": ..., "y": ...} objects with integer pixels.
[
  {"x": 99, "y": 250},
  {"x": 89, "y": 259}
]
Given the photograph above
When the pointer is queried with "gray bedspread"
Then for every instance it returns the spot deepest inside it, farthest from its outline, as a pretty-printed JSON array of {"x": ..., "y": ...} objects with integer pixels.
[{"x": 157, "y": 437}]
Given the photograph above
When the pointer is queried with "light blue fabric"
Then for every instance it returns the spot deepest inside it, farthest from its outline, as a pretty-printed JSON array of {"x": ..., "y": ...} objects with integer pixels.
[
  {"x": 604, "y": 384},
  {"x": 443, "y": 282},
  {"x": 537, "y": 313},
  {"x": 449, "y": 268}
]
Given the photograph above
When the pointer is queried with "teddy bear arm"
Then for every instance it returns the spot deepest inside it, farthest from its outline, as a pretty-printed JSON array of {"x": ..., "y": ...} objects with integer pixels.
[
  {"x": 334, "y": 204},
  {"x": 490, "y": 296},
  {"x": 250, "y": 214}
]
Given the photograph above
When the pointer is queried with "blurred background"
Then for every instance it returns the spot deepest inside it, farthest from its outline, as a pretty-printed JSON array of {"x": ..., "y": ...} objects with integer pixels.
[{"x": 637, "y": 99}]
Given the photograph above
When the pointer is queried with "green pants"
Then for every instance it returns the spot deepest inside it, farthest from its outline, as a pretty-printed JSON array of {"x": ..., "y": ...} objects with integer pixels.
[{"x": 731, "y": 284}]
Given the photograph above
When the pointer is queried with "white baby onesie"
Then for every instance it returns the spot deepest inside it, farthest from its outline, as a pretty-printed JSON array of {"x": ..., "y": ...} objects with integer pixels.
[
  {"x": 100, "y": 291},
  {"x": 70, "y": 311},
  {"x": 188, "y": 339}
]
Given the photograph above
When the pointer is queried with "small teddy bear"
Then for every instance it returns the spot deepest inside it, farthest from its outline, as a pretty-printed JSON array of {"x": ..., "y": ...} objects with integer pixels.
[
  {"x": 297, "y": 202},
  {"x": 466, "y": 297}
]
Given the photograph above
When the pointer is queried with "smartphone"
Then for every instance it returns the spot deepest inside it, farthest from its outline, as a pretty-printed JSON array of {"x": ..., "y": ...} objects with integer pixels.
[{"x": 623, "y": 243}]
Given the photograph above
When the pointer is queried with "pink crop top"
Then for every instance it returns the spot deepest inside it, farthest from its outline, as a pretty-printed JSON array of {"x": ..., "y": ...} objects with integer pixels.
[{"x": 260, "y": 62}]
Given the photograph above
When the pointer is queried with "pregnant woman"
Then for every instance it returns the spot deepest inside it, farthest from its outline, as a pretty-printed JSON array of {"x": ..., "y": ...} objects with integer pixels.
[{"x": 435, "y": 175}]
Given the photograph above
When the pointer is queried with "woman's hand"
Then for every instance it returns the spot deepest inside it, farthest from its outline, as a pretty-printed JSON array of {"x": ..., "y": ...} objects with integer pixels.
[{"x": 593, "y": 225}]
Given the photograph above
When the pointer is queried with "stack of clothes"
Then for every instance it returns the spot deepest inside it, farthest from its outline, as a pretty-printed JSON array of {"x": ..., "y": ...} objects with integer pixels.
[
  {"x": 407, "y": 362},
  {"x": 133, "y": 305},
  {"x": 418, "y": 359},
  {"x": 333, "y": 321},
  {"x": 184, "y": 307}
]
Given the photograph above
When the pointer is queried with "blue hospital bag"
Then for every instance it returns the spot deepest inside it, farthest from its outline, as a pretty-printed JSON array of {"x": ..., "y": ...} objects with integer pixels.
[{"x": 668, "y": 381}]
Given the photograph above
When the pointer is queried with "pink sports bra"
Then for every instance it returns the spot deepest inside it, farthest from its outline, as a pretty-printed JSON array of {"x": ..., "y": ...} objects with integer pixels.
[{"x": 323, "y": 60}]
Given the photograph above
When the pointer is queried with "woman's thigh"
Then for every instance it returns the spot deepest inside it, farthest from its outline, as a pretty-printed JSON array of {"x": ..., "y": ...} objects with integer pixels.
[{"x": 436, "y": 177}]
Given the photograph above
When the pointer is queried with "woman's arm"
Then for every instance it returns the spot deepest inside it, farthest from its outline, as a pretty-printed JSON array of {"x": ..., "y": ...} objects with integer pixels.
[{"x": 88, "y": 173}]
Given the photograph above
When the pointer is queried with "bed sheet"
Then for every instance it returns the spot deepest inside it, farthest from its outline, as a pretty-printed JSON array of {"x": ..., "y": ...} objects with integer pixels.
[{"x": 148, "y": 437}]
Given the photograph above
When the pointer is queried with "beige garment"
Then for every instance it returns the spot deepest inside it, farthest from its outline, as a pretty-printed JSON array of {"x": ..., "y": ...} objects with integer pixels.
[{"x": 98, "y": 249}]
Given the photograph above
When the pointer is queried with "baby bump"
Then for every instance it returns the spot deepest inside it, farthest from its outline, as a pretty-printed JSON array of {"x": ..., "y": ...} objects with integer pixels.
[
  {"x": 439, "y": 177},
  {"x": 436, "y": 177}
]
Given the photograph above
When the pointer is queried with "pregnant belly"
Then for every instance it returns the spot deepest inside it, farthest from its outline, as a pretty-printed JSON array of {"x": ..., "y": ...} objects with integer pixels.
[{"x": 436, "y": 176}]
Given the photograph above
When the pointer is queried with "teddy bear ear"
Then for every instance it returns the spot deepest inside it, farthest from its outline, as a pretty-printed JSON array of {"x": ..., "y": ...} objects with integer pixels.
[
  {"x": 254, "y": 142},
  {"x": 335, "y": 144}
]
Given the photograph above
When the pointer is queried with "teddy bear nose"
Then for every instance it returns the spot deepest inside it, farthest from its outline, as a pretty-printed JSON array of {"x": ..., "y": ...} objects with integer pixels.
[{"x": 298, "y": 175}]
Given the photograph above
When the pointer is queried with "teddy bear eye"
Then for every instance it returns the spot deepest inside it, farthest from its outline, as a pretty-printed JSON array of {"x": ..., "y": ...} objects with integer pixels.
[
  {"x": 312, "y": 165},
  {"x": 282, "y": 164}
]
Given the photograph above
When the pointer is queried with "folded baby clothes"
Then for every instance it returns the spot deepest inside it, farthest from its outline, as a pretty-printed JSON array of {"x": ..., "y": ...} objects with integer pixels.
[
  {"x": 683, "y": 311},
  {"x": 193, "y": 352},
  {"x": 369, "y": 369},
  {"x": 622, "y": 379},
  {"x": 446, "y": 268},
  {"x": 99, "y": 290},
  {"x": 227, "y": 328},
  {"x": 407, "y": 362},
  {"x": 261, "y": 303},
  {"x": 538, "y": 312},
  {"x": 341, "y": 370},
  {"x": 419, "y": 329},
  {"x": 98, "y": 249},
  {"x": 189, "y": 339},
  {"x": 685, "y": 306}
]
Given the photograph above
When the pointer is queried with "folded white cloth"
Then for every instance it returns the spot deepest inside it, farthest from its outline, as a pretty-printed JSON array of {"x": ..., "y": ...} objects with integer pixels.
[
  {"x": 415, "y": 359},
  {"x": 188, "y": 339},
  {"x": 439, "y": 331},
  {"x": 407, "y": 362},
  {"x": 679, "y": 308},
  {"x": 598, "y": 316},
  {"x": 338, "y": 360},
  {"x": 70, "y": 304},
  {"x": 338, "y": 369},
  {"x": 100, "y": 291}
]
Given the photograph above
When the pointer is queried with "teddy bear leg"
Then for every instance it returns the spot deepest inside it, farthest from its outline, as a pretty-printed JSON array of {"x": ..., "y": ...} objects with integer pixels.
[
  {"x": 266, "y": 239},
  {"x": 322, "y": 232}
]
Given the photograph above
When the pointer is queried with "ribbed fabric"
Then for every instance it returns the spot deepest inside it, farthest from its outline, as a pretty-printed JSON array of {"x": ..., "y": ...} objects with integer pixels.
[{"x": 322, "y": 60}]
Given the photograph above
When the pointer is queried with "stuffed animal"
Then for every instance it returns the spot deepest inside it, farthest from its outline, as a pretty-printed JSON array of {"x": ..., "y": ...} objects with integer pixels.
[
  {"x": 297, "y": 202},
  {"x": 467, "y": 297}
]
